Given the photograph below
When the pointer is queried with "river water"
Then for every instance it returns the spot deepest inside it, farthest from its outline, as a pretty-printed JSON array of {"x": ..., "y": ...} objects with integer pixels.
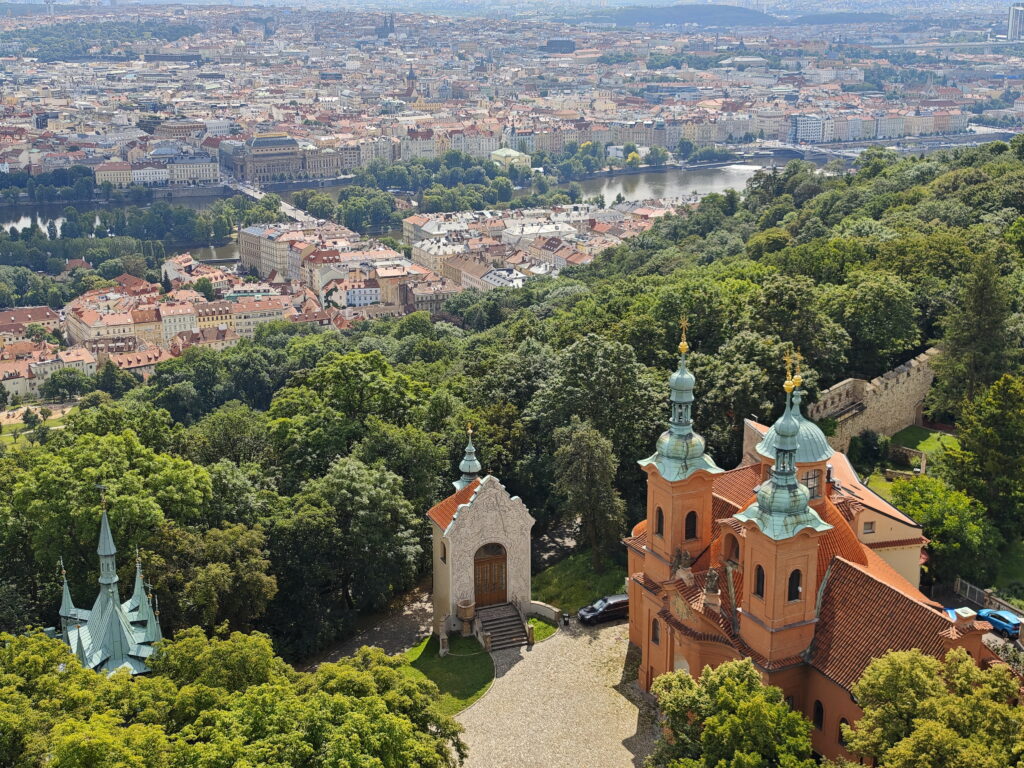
[{"x": 642, "y": 186}]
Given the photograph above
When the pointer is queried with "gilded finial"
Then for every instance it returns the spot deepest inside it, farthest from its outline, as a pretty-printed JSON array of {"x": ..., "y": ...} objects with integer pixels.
[
  {"x": 798, "y": 379},
  {"x": 469, "y": 429},
  {"x": 789, "y": 384},
  {"x": 684, "y": 346}
]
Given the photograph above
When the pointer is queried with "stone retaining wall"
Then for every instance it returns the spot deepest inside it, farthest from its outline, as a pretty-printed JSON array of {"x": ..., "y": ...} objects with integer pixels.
[{"x": 886, "y": 404}]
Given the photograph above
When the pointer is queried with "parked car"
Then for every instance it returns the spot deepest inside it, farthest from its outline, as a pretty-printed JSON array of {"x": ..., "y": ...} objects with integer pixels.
[
  {"x": 606, "y": 609},
  {"x": 1004, "y": 623}
]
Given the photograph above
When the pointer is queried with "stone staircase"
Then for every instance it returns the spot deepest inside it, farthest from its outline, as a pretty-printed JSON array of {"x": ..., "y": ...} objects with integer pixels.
[{"x": 504, "y": 625}]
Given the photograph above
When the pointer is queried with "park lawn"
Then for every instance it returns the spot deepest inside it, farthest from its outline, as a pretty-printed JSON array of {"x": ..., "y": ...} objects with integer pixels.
[
  {"x": 542, "y": 629},
  {"x": 463, "y": 676},
  {"x": 877, "y": 483},
  {"x": 573, "y": 583},
  {"x": 7, "y": 436},
  {"x": 930, "y": 442}
]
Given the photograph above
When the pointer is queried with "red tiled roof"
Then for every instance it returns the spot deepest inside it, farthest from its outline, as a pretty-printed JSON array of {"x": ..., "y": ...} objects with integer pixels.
[
  {"x": 919, "y": 540},
  {"x": 737, "y": 485},
  {"x": 862, "y": 617},
  {"x": 443, "y": 512}
]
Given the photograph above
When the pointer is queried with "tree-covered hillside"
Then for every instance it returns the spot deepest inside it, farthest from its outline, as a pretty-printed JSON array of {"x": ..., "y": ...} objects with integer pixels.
[{"x": 282, "y": 484}]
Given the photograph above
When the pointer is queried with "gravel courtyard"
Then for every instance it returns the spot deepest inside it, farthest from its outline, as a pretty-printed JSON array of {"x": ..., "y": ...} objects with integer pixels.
[{"x": 570, "y": 701}]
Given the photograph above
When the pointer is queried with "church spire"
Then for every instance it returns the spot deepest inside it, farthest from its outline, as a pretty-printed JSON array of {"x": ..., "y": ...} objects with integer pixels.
[
  {"x": 781, "y": 509},
  {"x": 67, "y": 606},
  {"x": 106, "y": 549},
  {"x": 470, "y": 466},
  {"x": 680, "y": 449}
]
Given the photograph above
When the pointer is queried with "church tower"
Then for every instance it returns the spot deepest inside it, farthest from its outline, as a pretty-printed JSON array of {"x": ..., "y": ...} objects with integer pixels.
[
  {"x": 112, "y": 635},
  {"x": 679, "y": 479},
  {"x": 780, "y": 551}
]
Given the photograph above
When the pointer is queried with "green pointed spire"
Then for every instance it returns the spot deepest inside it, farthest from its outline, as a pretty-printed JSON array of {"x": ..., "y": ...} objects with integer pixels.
[
  {"x": 680, "y": 449},
  {"x": 139, "y": 591},
  {"x": 470, "y": 466},
  {"x": 67, "y": 605},
  {"x": 106, "y": 546},
  {"x": 781, "y": 510},
  {"x": 80, "y": 649}
]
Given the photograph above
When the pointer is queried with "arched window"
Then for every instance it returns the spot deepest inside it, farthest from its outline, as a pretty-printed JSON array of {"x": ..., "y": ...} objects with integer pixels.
[
  {"x": 690, "y": 526},
  {"x": 793, "y": 590},
  {"x": 759, "y": 581},
  {"x": 732, "y": 549},
  {"x": 444, "y": 553},
  {"x": 819, "y": 715},
  {"x": 659, "y": 522},
  {"x": 655, "y": 631},
  {"x": 842, "y": 736}
]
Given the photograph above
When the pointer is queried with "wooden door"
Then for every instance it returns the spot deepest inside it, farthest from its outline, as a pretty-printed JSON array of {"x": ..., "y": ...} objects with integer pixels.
[{"x": 489, "y": 577}]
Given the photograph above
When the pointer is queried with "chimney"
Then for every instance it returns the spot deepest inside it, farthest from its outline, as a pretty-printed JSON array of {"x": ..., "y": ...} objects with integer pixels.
[{"x": 964, "y": 617}]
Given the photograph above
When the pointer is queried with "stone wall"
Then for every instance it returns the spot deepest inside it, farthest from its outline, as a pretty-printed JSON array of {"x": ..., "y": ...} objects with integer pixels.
[{"x": 886, "y": 404}]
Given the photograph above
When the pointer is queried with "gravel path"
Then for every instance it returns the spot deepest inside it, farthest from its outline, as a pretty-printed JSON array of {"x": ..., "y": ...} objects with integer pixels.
[{"x": 570, "y": 701}]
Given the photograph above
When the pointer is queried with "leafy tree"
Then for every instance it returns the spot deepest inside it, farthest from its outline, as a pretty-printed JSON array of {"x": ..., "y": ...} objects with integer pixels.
[
  {"x": 113, "y": 380},
  {"x": 920, "y": 712},
  {"x": 878, "y": 312},
  {"x": 584, "y": 475},
  {"x": 989, "y": 465},
  {"x": 962, "y": 537},
  {"x": 205, "y": 287},
  {"x": 976, "y": 345},
  {"x": 349, "y": 545},
  {"x": 65, "y": 384},
  {"x": 728, "y": 718}
]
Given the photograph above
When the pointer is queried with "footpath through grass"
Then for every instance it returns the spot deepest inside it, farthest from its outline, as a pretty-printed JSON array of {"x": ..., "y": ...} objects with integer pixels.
[
  {"x": 463, "y": 676},
  {"x": 572, "y": 583}
]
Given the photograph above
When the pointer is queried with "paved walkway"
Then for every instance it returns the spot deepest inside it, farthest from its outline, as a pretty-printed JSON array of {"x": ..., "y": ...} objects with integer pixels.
[{"x": 570, "y": 701}]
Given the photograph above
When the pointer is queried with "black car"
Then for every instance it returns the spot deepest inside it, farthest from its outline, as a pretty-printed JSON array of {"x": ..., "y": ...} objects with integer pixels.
[{"x": 606, "y": 609}]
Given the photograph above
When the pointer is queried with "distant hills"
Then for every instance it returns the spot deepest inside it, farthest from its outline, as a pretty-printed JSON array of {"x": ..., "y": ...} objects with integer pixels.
[
  {"x": 702, "y": 15},
  {"x": 727, "y": 16}
]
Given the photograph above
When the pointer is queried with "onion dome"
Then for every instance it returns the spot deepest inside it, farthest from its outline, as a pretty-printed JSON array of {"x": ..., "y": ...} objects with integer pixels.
[
  {"x": 680, "y": 450},
  {"x": 812, "y": 447},
  {"x": 781, "y": 509},
  {"x": 470, "y": 466}
]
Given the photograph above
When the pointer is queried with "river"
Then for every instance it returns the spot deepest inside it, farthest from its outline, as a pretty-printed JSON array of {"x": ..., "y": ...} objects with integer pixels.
[{"x": 641, "y": 186}]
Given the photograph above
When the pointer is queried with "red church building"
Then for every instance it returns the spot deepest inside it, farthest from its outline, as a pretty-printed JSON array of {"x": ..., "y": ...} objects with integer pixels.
[{"x": 788, "y": 560}]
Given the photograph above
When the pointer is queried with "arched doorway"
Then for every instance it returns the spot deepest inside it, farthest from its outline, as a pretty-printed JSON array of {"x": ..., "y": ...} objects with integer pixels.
[{"x": 489, "y": 575}]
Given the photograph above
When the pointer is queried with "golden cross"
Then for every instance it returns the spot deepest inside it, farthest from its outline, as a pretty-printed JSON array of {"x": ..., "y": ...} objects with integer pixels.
[
  {"x": 799, "y": 359},
  {"x": 684, "y": 325},
  {"x": 789, "y": 365},
  {"x": 469, "y": 428}
]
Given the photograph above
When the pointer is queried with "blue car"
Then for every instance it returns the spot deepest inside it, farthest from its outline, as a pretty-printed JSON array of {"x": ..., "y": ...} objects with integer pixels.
[{"x": 1004, "y": 623}]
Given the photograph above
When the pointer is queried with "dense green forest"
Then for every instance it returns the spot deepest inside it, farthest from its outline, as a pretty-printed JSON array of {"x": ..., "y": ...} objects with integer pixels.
[{"x": 282, "y": 484}]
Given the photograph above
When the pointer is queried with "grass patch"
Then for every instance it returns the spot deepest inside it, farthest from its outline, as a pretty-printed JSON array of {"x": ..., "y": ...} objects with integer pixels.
[
  {"x": 877, "y": 483},
  {"x": 463, "y": 676},
  {"x": 572, "y": 583},
  {"x": 930, "y": 442},
  {"x": 542, "y": 629},
  {"x": 1011, "y": 566}
]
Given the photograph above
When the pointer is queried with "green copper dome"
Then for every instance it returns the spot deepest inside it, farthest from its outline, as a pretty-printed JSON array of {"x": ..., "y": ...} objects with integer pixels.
[
  {"x": 470, "y": 465},
  {"x": 781, "y": 510},
  {"x": 680, "y": 450},
  {"x": 811, "y": 445}
]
